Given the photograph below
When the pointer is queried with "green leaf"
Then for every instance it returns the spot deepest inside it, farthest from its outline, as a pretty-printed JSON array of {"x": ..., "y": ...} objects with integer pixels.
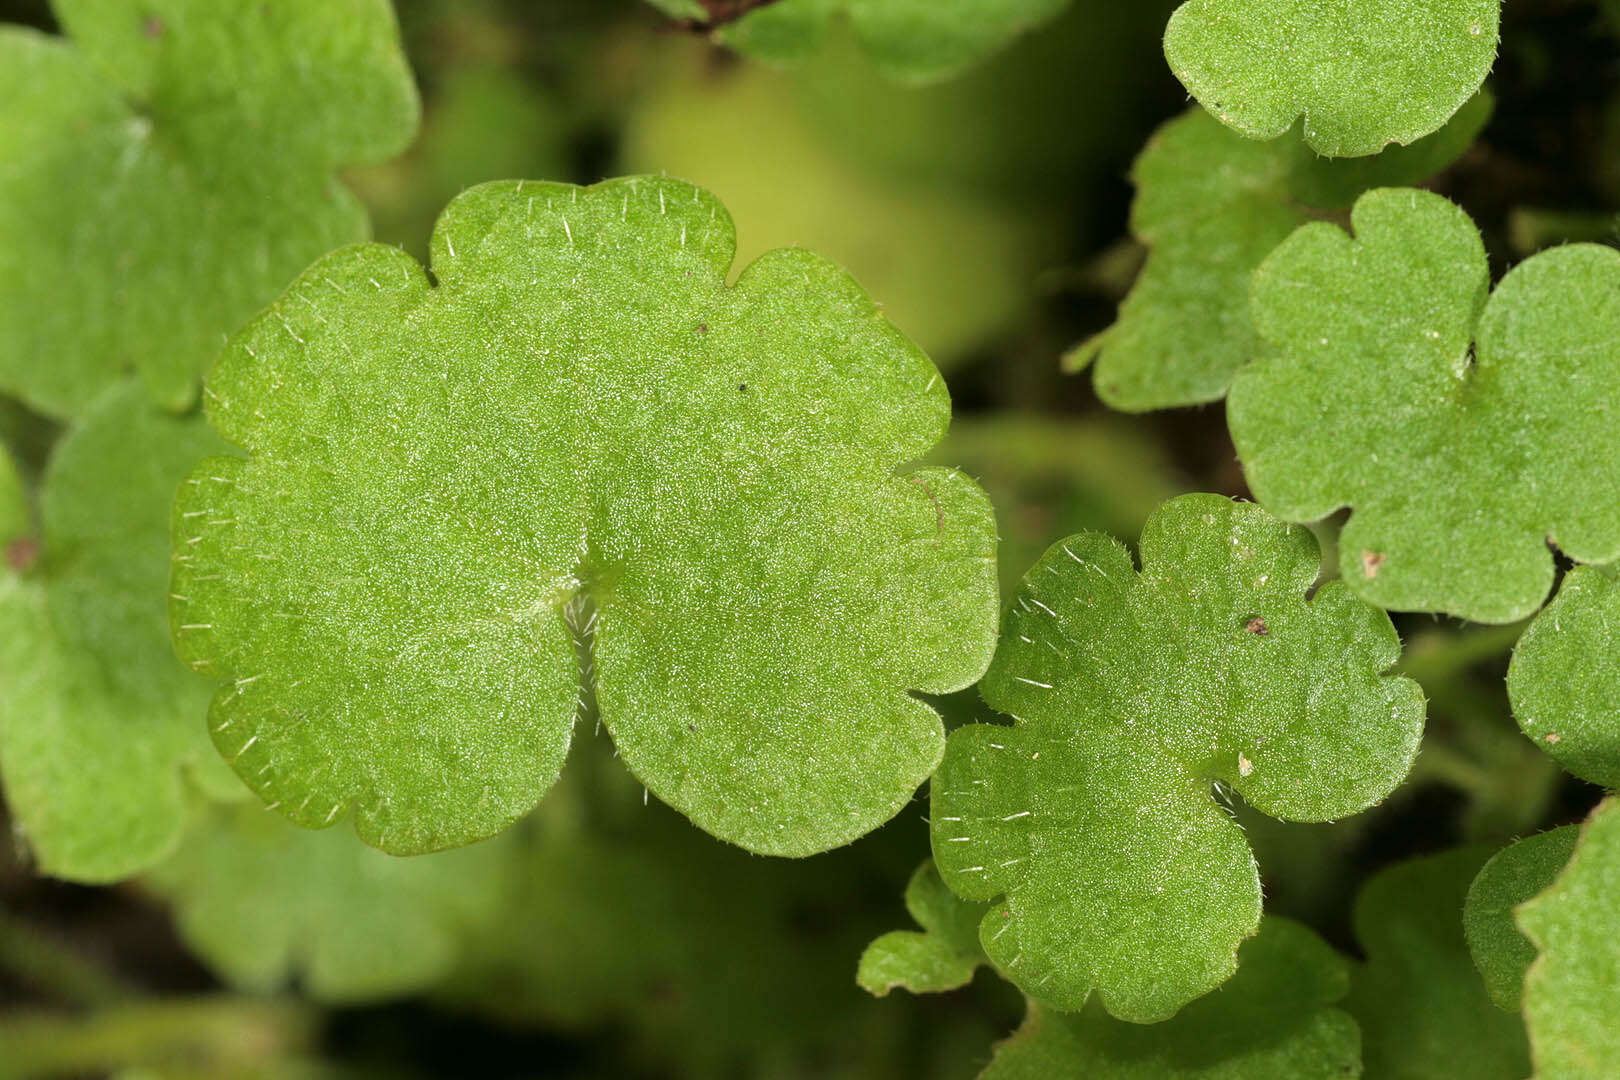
[
  {"x": 913, "y": 41},
  {"x": 1392, "y": 382},
  {"x": 170, "y": 166},
  {"x": 263, "y": 903},
  {"x": 581, "y": 437},
  {"x": 1571, "y": 992},
  {"x": 1362, "y": 73},
  {"x": 1211, "y": 205},
  {"x": 96, "y": 715},
  {"x": 1565, "y": 677},
  {"x": 1512, "y": 876},
  {"x": 1134, "y": 694},
  {"x": 942, "y": 957},
  {"x": 1273, "y": 1019},
  {"x": 1424, "y": 1013}
]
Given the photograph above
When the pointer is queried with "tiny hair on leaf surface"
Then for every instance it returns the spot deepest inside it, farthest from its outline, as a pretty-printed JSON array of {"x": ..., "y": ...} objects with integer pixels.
[
  {"x": 1274, "y": 1018},
  {"x": 170, "y": 165},
  {"x": 912, "y": 41},
  {"x": 263, "y": 903},
  {"x": 1572, "y": 990},
  {"x": 1513, "y": 875},
  {"x": 1211, "y": 205},
  {"x": 1564, "y": 681},
  {"x": 1134, "y": 693},
  {"x": 1467, "y": 430},
  {"x": 1361, "y": 73},
  {"x": 1423, "y": 1010},
  {"x": 942, "y": 956},
  {"x": 97, "y": 718},
  {"x": 580, "y": 444}
]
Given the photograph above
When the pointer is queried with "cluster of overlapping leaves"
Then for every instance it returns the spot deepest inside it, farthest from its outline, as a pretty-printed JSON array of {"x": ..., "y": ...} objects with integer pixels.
[{"x": 409, "y": 526}]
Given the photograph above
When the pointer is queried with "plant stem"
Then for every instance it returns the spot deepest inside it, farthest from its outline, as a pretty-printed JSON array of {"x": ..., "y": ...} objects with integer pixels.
[
  {"x": 215, "y": 1036},
  {"x": 53, "y": 968}
]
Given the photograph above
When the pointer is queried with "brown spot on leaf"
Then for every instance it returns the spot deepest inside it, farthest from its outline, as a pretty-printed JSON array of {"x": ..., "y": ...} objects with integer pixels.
[
  {"x": 1371, "y": 561},
  {"x": 1257, "y": 625},
  {"x": 21, "y": 553},
  {"x": 154, "y": 27},
  {"x": 703, "y": 328},
  {"x": 1552, "y": 738}
]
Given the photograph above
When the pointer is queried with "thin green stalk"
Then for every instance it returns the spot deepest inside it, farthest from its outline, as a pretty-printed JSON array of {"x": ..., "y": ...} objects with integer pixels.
[
  {"x": 54, "y": 969},
  {"x": 218, "y": 1036}
]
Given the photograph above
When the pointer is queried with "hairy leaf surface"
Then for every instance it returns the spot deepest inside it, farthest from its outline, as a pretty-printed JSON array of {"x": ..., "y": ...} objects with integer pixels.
[
  {"x": 1274, "y": 1018},
  {"x": 1423, "y": 1011},
  {"x": 1572, "y": 991},
  {"x": 1211, "y": 205},
  {"x": 1133, "y": 693},
  {"x": 581, "y": 437},
  {"x": 169, "y": 166},
  {"x": 1468, "y": 430},
  {"x": 1564, "y": 681},
  {"x": 1513, "y": 875},
  {"x": 1362, "y": 73},
  {"x": 262, "y": 903},
  {"x": 909, "y": 40},
  {"x": 96, "y": 715},
  {"x": 943, "y": 956}
]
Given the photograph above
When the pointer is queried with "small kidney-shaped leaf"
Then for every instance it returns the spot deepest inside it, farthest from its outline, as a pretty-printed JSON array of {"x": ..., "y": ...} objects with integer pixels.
[
  {"x": 167, "y": 168},
  {"x": 580, "y": 439},
  {"x": 913, "y": 41},
  {"x": 1134, "y": 693},
  {"x": 942, "y": 956},
  {"x": 1571, "y": 992},
  {"x": 1564, "y": 681},
  {"x": 262, "y": 902},
  {"x": 1362, "y": 73},
  {"x": 1468, "y": 433},
  {"x": 1211, "y": 205},
  {"x": 1513, "y": 875},
  {"x": 97, "y": 718}
]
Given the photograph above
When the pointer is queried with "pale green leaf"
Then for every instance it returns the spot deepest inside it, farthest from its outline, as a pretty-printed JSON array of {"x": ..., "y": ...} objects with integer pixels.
[
  {"x": 1273, "y": 1019},
  {"x": 901, "y": 240},
  {"x": 1423, "y": 1011},
  {"x": 167, "y": 168},
  {"x": 96, "y": 715},
  {"x": 1572, "y": 991},
  {"x": 1362, "y": 73},
  {"x": 1134, "y": 694},
  {"x": 1393, "y": 382},
  {"x": 1211, "y": 205},
  {"x": 942, "y": 956},
  {"x": 1564, "y": 681},
  {"x": 580, "y": 437},
  {"x": 264, "y": 903},
  {"x": 1512, "y": 876},
  {"x": 910, "y": 40}
]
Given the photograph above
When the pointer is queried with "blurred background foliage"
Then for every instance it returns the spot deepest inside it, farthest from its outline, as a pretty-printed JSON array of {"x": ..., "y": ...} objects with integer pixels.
[{"x": 605, "y": 936}]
